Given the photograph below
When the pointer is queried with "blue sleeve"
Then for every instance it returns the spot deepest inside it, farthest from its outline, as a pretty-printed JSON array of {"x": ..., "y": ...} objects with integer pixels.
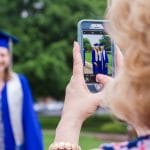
[
  {"x": 114, "y": 146},
  {"x": 31, "y": 127},
  {"x": 108, "y": 146}
]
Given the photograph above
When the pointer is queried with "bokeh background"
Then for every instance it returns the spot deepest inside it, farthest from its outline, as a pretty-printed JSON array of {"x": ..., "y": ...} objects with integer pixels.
[{"x": 47, "y": 29}]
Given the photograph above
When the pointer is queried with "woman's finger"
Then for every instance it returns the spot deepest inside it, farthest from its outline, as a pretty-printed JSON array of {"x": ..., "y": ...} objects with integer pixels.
[{"x": 77, "y": 61}]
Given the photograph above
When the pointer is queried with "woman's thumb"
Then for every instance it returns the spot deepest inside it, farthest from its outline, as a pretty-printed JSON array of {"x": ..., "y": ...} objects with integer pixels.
[{"x": 103, "y": 79}]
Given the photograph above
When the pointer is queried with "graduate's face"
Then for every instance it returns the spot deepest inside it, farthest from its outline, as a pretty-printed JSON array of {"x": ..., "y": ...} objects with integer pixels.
[{"x": 4, "y": 59}]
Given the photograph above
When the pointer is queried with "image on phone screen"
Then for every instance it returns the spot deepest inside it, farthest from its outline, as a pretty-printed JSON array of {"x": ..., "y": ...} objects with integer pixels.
[{"x": 97, "y": 54}]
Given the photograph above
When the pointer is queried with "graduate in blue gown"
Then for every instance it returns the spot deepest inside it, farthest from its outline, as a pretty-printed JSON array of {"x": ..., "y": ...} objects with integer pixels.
[
  {"x": 95, "y": 58},
  {"x": 19, "y": 127},
  {"x": 103, "y": 60}
]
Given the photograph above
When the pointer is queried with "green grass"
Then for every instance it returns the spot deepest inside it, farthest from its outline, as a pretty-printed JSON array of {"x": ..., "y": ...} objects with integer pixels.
[
  {"x": 86, "y": 142},
  {"x": 88, "y": 57},
  {"x": 48, "y": 138},
  {"x": 89, "y": 142}
]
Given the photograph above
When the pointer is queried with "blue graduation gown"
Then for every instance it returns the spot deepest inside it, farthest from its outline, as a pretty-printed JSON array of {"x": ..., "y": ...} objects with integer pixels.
[
  {"x": 31, "y": 128},
  {"x": 102, "y": 64},
  {"x": 95, "y": 67},
  {"x": 105, "y": 64}
]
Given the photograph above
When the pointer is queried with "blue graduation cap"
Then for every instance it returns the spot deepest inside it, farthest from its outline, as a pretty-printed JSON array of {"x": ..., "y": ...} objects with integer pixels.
[
  {"x": 101, "y": 44},
  {"x": 96, "y": 44},
  {"x": 6, "y": 40}
]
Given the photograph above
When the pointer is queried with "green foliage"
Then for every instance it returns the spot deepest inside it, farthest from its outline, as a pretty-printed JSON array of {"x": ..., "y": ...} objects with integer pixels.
[
  {"x": 114, "y": 127},
  {"x": 105, "y": 40},
  {"x": 87, "y": 44},
  {"x": 94, "y": 124},
  {"x": 49, "y": 122},
  {"x": 46, "y": 35}
]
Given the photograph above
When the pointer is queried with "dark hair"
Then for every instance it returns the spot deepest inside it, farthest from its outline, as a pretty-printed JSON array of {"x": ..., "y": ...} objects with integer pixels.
[{"x": 7, "y": 74}]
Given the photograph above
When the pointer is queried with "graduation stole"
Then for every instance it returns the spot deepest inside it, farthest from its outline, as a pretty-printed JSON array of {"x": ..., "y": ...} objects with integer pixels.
[
  {"x": 104, "y": 54},
  {"x": 15, "y": 105}
]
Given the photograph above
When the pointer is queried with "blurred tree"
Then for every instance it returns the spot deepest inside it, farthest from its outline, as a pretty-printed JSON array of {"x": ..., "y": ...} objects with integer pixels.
[
  {"x": 106, "y": 41},
  {"x": 47, "y": 30},
  {"x": 87, "y": 44}
]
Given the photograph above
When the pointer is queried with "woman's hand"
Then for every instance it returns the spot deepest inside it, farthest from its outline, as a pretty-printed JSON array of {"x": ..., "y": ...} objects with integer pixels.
[{"x": 79, "y": 103}]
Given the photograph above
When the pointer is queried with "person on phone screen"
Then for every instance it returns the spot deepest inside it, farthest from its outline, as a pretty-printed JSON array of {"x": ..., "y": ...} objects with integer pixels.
[
  {"x": 19, "y": 128},
  {"x": 103, "y": 60},
  {"x": 95, "y": 59}
]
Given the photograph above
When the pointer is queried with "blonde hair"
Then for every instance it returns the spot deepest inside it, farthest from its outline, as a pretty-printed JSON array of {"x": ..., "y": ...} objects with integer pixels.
[{"x": 130, "y": 28}]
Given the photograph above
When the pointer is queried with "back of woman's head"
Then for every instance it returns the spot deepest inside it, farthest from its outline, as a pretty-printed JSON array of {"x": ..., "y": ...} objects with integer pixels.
[{"x": 130, "y": 28}]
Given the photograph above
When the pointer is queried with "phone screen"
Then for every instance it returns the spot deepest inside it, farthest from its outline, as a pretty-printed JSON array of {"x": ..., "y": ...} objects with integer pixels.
[{"x": 97, "y": 53}]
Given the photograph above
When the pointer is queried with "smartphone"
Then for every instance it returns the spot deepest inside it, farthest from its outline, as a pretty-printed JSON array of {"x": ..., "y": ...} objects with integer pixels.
[{"x": 97, "y": 49}]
